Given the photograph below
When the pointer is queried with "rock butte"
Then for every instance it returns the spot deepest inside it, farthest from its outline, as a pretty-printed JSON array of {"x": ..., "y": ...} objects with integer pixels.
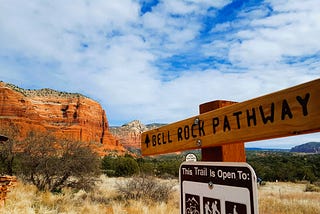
[
  {"x": 69, "y": 116},
  {"x": 129, "y": 134}
]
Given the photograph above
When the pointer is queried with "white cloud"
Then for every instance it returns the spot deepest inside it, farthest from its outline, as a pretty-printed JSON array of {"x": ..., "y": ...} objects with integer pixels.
[
  {"x": 289, "y": 32},
  {"x": 160, "y": 65}
]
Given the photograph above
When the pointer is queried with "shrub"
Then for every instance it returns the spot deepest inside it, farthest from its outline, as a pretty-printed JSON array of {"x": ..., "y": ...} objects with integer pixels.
[
  {"x": 52, "y": 165},
  {"x": 126, "y": 166},
  {"x": 146, "y": 188},
  {"x": 119, "y": 166},
  {"x": 167, "y": 169},
  {"x": 312, "y": 188}
]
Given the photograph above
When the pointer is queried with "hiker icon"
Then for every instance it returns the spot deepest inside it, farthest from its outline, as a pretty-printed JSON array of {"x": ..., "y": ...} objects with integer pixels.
[
  {"x": 211, "y": 206},
  {"x": 235, "y": 208}
]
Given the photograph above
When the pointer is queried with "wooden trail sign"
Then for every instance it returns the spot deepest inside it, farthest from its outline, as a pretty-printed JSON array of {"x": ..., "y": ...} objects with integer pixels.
[{"x": 288, "y": 112}]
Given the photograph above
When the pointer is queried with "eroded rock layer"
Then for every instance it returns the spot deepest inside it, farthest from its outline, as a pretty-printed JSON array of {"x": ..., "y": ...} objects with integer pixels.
[{"x": 66, "y": 115}]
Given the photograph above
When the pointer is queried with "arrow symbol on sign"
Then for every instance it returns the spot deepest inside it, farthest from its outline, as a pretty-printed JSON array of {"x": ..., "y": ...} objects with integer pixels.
[{"x": 147, "y": 141}]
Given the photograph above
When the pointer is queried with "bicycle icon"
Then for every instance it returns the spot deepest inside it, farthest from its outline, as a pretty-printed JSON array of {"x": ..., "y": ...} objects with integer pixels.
[
  {"x": 192, "y": 210},
  {"x": 192, "y": 204}
]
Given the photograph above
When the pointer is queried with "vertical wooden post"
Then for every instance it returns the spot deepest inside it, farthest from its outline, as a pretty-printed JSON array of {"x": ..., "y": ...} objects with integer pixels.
[
  {"x": 5, "y": 183},
  {"x": 234, "y": 152}
]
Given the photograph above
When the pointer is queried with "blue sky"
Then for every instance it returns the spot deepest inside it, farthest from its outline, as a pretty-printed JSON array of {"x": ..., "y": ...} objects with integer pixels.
[{"x": 156, "y": 61}]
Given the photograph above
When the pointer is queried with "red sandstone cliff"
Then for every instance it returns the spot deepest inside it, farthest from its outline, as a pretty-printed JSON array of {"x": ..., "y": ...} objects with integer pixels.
[{"x": 67, "y": 115}]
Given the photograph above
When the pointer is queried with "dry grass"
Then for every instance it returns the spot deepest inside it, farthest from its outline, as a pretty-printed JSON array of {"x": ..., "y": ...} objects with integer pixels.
[
  {"x": 26, "y": 199},
  {"x": 274, "y": 198},
  {"x": 285, "y": 198}
]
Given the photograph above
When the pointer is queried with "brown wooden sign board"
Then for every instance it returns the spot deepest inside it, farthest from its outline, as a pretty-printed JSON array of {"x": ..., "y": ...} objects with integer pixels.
[{"x": 284, "y": 113}]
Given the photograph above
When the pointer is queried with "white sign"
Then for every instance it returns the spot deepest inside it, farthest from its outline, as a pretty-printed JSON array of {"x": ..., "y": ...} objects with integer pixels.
[
  {"x": 191, "y": 157},
  {"x": 218, "y": 188}
]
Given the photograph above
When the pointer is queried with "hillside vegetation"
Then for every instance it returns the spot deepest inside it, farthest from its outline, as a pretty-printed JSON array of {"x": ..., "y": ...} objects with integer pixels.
[
  {"x": 41, "y": 92},
  {"x": 268, "y": 165},
  {"x": 285, "y": 166}
]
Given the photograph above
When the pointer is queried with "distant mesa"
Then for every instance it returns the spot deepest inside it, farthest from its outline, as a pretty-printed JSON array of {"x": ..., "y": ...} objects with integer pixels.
[
  {"x": 311, "y": 147},
  {"x": 267, "y": 149}
]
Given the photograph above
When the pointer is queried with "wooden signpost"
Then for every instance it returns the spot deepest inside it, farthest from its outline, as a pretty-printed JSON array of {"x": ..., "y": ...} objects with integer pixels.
[
  {"x": 6, "y": 182},
  {"x": 220, "y": 131},
  {"x": 288, "y": 112}
]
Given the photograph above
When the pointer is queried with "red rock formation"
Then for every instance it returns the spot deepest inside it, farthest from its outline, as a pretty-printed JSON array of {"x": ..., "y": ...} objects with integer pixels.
[
  {"x": 67, "y": 115},
  {"x": 129, "y": 135}
]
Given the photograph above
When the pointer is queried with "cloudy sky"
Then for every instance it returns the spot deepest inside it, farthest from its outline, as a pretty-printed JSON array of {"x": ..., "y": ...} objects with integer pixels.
[{"x": 157, "y": 60}]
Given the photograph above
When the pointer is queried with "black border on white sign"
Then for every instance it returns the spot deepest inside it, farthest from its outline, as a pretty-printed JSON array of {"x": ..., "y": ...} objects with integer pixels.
[{"x": 203, "y": 178}]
